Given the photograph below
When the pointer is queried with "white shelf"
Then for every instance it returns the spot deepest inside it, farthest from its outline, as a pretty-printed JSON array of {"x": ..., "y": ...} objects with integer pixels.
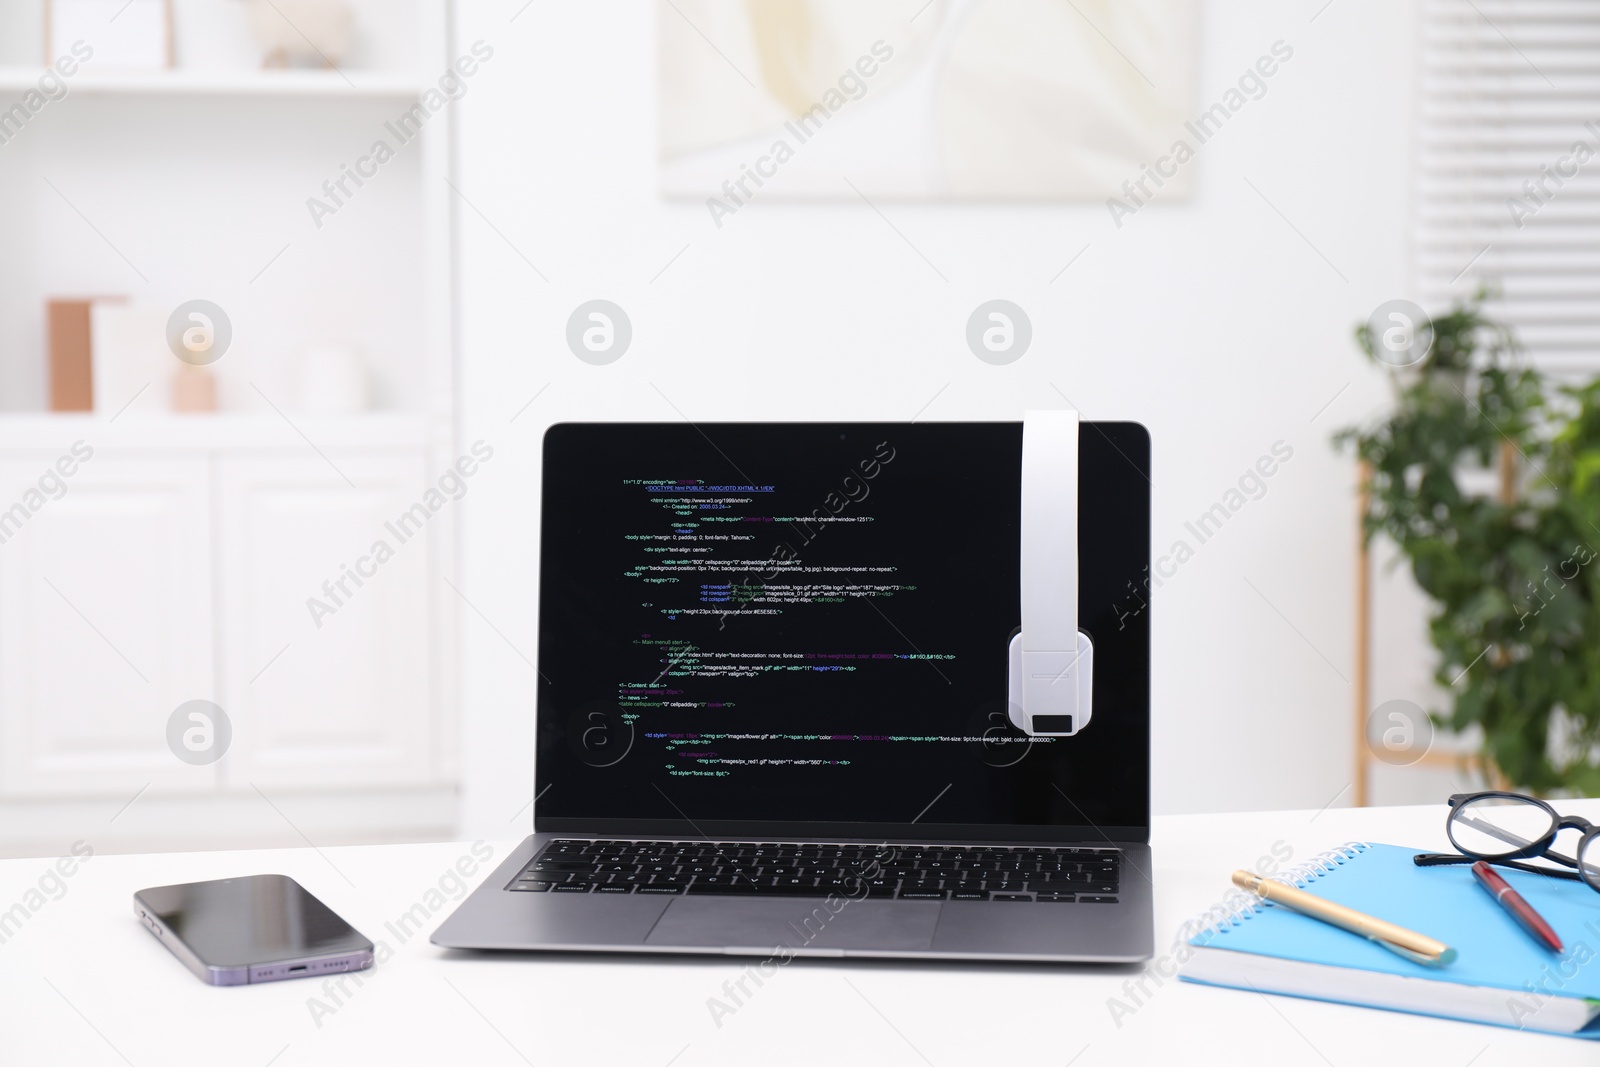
[
  {"x": 229, "y": 430},
  {"x": 319, "y": 84}
]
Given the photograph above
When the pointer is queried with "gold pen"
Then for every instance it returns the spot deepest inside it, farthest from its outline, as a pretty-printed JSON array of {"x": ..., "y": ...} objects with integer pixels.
[{"x": 1418, "y": 948}]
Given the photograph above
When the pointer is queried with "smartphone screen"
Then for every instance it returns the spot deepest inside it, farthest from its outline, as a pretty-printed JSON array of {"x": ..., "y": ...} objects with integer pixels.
[{"x": 256, "y": 928}]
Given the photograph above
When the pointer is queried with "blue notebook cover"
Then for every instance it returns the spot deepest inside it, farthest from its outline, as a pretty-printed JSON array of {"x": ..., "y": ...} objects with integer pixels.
[{"x": 1445, "y": 903}]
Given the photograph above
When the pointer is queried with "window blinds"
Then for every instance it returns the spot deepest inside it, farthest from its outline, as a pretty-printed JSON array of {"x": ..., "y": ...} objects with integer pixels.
[{"x": 1509, "y": 168}]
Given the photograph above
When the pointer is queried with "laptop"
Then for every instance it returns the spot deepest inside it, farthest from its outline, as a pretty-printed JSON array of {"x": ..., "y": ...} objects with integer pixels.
[{"x": 778, "y": 705}]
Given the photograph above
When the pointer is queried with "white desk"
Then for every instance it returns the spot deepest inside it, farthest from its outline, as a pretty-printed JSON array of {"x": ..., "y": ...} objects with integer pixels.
[{"x": 82, "y": 982}]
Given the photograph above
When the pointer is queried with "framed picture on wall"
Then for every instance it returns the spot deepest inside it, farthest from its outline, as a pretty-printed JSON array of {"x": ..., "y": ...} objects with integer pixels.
[
  {"x": 1053, "y": 100},
  {"x": 123, "y": 34}
]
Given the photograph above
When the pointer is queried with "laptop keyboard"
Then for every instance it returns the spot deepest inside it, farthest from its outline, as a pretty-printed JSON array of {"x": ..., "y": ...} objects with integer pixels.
[{"x": 905, "y": 872}]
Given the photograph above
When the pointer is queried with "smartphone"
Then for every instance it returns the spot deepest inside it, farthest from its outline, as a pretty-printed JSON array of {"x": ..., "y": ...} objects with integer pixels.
[{"x": 259, "y": 928}]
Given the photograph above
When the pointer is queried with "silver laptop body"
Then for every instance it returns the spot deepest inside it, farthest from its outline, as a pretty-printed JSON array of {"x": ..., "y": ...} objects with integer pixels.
[{"x": 674, "y": 809}]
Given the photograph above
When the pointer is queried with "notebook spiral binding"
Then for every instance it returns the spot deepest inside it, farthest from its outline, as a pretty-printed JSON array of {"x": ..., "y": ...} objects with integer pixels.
[{"x": 1240, "y": 905}]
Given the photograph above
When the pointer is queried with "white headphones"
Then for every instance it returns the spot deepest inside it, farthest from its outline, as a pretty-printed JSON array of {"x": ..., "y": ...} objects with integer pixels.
[{"x": 1052, "y": 661}]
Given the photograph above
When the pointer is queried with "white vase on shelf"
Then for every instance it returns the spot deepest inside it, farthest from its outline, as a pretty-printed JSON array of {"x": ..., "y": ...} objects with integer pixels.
[{"x": 333, "y": 381}]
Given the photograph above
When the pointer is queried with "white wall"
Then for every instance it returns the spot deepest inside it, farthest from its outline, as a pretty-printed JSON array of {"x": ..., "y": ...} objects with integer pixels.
[{"x": 1212, "y": 321}]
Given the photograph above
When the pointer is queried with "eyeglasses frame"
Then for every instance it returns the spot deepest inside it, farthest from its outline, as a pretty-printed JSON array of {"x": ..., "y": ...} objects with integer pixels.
[{"x": 1537, "y": 849}]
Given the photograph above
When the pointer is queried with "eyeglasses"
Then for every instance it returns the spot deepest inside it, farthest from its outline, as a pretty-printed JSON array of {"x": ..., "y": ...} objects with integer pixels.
[{"x": 1504, "y": 828}]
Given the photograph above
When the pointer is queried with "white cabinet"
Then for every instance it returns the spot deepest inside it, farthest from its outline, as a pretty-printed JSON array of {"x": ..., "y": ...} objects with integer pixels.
[
  {"x": 324, "y": 620},
  {"x": 295, "y": 587},
  {"x": 105, "y": 621}
]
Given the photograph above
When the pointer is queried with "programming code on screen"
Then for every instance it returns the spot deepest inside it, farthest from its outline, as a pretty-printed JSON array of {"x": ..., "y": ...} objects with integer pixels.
[
  {"x": 798, "y": 621},
  {"x": 716, "y": 555}
]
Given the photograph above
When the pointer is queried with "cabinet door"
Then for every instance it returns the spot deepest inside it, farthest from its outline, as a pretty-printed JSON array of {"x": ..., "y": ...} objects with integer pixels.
[
  {"x": 325, "y": 620},
  {"x": 105, "y": 622}
]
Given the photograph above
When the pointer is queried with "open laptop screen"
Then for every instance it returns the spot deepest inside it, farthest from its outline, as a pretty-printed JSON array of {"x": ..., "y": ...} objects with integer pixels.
[{"x": 802, "y": 628}]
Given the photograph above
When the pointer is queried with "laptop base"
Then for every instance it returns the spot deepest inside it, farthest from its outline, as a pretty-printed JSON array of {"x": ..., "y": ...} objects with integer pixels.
[{"x": 495, "y": 917}]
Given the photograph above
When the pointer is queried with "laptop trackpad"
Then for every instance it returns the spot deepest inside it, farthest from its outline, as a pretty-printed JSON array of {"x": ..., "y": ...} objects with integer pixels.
[{"x": 798, "y": 923}]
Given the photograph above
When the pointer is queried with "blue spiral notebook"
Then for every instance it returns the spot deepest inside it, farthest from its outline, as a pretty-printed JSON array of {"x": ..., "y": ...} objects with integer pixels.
[{"x": 1501, "y": 976}]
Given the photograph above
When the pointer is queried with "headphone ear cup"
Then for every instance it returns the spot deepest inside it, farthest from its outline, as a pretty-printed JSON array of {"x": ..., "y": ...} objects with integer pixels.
[{"x": 1055, "y": 720}]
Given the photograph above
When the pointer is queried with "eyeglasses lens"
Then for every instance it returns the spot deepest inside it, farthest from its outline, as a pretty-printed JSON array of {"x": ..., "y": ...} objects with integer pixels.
[
  {"x": 1589, "y": 861},
  {"x": 1500, "y": 826}
]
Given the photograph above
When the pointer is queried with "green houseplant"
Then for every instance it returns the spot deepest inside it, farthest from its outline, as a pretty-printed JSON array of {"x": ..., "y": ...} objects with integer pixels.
[{"x": 1487, "y": 478}]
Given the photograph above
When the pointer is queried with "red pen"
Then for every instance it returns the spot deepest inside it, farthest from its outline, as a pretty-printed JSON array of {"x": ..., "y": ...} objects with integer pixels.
[{"x": 1512, "y": 901}]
